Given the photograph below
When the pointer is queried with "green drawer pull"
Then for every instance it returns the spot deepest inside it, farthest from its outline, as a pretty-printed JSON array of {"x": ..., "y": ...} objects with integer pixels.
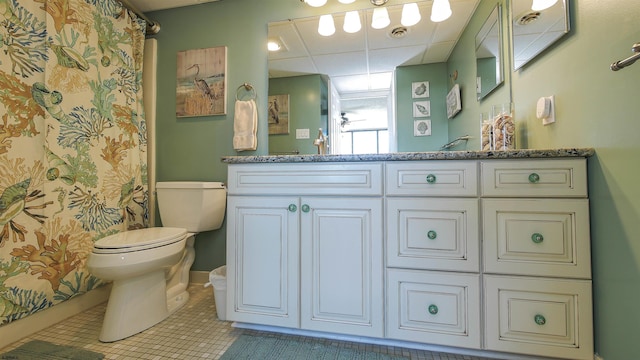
[
  {"x": 293, "y": 208},
  {"x": 539, "y": 319},
  {"x": 305, "y": 208},
  {"x": 534, "y": 178},
  {"x": 431, "y": 178},
  {"x": 431, "y": 234},
  {"x": 433, "y": 309},
  {"x": 537, "y": 238}
]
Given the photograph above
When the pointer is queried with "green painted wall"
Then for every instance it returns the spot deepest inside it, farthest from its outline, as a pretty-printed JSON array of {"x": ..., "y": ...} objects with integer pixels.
[
  {"x": 595, "y": 108},
  {"x": 461, "y": 68},
  {"x": 306, "y": 96},
  {"x": 436, "y": 75}
]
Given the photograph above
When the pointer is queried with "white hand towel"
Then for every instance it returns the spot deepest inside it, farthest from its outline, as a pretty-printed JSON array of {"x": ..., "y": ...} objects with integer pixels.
[{"x": 245, "y": 125}]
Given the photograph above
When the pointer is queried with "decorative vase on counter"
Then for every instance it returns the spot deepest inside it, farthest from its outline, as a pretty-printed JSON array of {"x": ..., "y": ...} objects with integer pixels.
[
  {"x": 486, "y": 132},
  {"x": 503, "y": 126}
]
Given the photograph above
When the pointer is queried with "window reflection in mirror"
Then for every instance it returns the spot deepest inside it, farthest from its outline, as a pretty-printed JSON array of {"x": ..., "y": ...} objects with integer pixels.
[
  {"x": 489, "y": 62},
  {"x": 534, "y": 31},
  {"x": 364, "y": 124}
]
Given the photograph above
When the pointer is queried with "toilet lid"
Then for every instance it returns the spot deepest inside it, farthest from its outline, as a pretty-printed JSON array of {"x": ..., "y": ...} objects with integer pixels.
[{"x": 140, "y": 239}]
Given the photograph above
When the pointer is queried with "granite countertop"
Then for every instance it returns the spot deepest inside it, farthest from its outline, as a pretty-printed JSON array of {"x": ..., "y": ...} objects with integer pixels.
[{"x": 409, "y": 156}]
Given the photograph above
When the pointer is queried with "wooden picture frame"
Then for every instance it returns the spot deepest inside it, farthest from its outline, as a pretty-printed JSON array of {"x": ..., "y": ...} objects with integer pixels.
[{"x": 201, "y": 88}]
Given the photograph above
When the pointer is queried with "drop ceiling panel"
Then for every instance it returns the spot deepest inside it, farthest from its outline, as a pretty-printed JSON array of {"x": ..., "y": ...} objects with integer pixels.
[{"x": 342, "y": 64}]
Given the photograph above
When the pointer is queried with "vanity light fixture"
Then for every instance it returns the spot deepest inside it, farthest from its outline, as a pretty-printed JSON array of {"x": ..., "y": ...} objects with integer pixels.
[
  {"x": 326, "y": 27},
  {"x": 314, "y": 3},
  {"x": 539, "y": 5},
  {"x": 346, "y": 1},
  {"x": 352, "y": 22},
  {"x": 440, "y": 11},
  {"x": 380, "y": 18},
  {"x": 274, "y": 45},
  {"x": 410, "y": 14}
]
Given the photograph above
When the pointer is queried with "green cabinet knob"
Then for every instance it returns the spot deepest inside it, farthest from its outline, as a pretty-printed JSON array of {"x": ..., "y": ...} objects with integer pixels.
[
  {"x": 305, "y": 208},
  {"x": 534, "y": 178},
  {"x": 431, "y": 178},
  {"x": 431, "y": 234},
  {"x": 537, "y": 238},
  {"x": 433, "y": 309},
  {"x": 539, "y": 319},
  {"x": 293, "y": 208}
]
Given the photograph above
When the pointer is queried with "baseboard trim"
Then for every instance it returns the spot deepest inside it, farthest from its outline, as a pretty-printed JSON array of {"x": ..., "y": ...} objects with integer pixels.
[
  {"x": 198, "y": 277},
  {"x": 31, "y": 324}
]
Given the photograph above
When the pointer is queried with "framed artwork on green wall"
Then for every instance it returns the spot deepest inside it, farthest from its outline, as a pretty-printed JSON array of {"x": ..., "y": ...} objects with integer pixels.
[
  {"x": 420, "y": 89},
  {"x": 278, "y": 114},
  {"x": 421, "y": 109},
  {"x": 454, "y": 105},
  {"x": 201, "y": 82}
]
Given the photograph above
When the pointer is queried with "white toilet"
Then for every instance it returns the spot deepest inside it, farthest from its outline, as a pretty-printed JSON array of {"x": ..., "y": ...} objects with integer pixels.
[{"x": 150, "y": 267}]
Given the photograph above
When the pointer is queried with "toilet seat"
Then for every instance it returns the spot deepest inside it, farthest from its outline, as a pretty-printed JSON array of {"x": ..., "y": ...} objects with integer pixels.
[{"x": 137, "y": 240}]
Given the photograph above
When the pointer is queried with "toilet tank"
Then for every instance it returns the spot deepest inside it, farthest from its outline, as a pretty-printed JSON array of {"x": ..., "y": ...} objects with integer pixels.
[{"x": 193, "y": 205}]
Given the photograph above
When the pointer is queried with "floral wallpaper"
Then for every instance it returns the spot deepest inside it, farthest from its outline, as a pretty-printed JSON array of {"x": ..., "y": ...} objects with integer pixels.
[{"x": 72, "y": 144}]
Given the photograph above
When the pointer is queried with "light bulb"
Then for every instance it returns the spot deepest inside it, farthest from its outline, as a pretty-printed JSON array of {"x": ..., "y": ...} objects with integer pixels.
[
  {"x": 352, "y": 22},
  {"x": 326, "y": 26},
  {"x": 273, "y": 45},
  {"x": 410, "y": 14},
  {"x": 440, "y": 11},
  {"x": 539, "y": 5},
  {"x": 380, "y": 18},
  {"x": 315, "y": 3}
]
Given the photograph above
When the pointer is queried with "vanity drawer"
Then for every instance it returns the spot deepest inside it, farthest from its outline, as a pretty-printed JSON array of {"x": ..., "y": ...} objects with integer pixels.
[
  {"x": 432, "y": 178},
  {"x": 436, "y": 234},
  {"x": 305, "y": 179},
  {"x": 431, "y": 307},
  {"x": 544, "y": 237},
  {"x": 547, "y": 317},
  {"x": 534, "y": 178}
]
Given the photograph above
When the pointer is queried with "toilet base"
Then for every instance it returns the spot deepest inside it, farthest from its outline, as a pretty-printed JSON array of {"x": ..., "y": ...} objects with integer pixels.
[
  {"x": 135, "y": 305},
  {"x": 138, "y": 303}
]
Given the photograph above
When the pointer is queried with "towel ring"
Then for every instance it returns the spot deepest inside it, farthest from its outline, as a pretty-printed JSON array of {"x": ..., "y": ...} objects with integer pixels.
[{"x": 247, "y": 88}]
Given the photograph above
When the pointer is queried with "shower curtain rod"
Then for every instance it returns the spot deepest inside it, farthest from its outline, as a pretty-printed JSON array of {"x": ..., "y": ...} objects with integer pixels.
[{"x": 153, "y": 27}]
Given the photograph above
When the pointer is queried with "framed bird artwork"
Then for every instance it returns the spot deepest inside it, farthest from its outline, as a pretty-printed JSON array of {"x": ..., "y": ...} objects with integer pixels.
[
  {"x": 278, "y": 114},
  {"x": 201, "y": 82}
]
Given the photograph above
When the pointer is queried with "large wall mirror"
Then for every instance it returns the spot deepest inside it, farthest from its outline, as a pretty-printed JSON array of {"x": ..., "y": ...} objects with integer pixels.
[
  {"x": 489, "y": 62},
  {"x": 360, "y": 65},
  {"x": 535, "y": 30}
]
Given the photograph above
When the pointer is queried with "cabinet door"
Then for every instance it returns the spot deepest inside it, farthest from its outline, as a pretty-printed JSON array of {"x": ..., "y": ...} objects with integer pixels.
[
  {"x": 262, "y": 260},
  {"x": 341, "y": 265}
]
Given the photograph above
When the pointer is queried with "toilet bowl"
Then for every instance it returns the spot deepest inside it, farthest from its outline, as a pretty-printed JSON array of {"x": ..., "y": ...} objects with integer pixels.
[{"x": 150, "y": 267}]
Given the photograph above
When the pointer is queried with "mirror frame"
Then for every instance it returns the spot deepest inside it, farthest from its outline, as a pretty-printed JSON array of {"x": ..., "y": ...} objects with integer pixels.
[
  {"x": 491, "y": 24},
  {"x": 550, "y": 40}
]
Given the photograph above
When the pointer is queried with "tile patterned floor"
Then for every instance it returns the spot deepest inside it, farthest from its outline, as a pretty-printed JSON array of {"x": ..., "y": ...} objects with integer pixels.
[{"x": 193, "y": 332}]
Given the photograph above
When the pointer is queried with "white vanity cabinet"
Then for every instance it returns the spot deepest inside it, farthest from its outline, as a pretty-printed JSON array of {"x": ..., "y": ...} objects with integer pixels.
[
  {"x": 432, "y": 252},
  {"x": 304, "y": 246},
  {"x": 483, "y": 254},
  {"x": 537, "y": 258}
]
